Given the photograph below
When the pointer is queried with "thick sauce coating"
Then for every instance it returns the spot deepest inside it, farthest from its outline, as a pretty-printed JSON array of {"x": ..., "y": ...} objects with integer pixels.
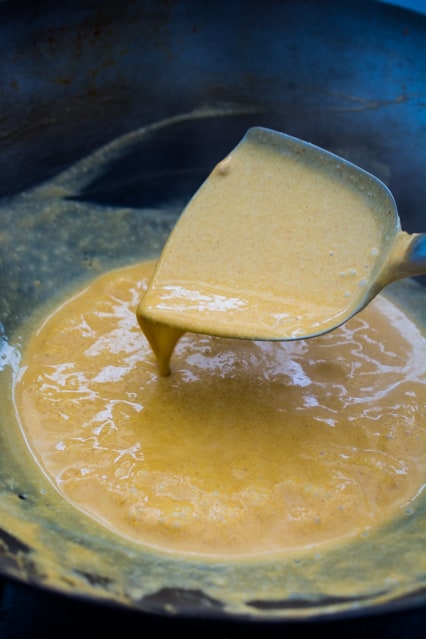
[
  {"x": 249, "y": 447},
  {"x": 272, "y": 246}
]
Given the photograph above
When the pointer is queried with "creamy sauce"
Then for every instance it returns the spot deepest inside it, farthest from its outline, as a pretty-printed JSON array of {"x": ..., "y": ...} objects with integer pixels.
[
  {"x": 249, "y": 447},
  {"x": 272, "y": 246},
  {"x": 84, "y": 547}
]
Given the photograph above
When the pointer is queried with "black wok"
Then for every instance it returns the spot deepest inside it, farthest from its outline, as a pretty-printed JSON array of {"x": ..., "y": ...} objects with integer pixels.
[{"x": 157, "y": 93}]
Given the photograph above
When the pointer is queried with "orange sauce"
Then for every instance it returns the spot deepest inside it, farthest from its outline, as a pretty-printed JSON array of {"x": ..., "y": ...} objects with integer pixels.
[{"x": 249, "y": 447}]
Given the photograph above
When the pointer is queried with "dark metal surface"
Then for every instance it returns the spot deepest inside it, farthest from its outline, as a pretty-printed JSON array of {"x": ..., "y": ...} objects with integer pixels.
[
  {"x": 30, "y": 613},
  {"x": 345, "y": 75}
]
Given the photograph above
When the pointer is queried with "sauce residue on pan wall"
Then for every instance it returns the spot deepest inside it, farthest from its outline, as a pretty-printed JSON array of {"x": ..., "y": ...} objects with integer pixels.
[{"x": 248, "y": 448}]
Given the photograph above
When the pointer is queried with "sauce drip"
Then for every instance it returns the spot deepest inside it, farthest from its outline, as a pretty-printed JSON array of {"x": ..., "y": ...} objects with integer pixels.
[{"x": 249, "y": 447}]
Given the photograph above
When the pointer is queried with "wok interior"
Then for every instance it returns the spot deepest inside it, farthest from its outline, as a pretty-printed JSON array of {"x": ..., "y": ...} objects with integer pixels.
[{"x": 84, "y": 223}]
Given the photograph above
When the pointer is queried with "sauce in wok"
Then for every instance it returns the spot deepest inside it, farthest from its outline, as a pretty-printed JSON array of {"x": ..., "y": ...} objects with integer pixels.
[{"x": 248, "y": 447}]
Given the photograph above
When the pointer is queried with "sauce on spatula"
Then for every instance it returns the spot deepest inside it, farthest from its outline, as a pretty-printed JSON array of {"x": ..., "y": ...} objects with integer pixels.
[{"x": 271, "y": 247}]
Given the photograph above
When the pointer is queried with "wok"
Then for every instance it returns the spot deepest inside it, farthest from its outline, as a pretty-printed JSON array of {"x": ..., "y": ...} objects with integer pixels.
[{"x": 119, "y": 111}]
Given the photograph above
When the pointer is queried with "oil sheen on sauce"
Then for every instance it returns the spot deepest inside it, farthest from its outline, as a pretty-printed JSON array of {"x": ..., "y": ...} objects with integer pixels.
[
  {"x": 272, "y": 246},
  {"x": 249, "y": 447}
]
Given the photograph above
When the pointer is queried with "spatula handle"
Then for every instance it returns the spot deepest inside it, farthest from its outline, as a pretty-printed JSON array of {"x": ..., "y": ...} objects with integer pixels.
[
  {"x": 408, "y": 258},
  {"x": 415, "y": 259}
]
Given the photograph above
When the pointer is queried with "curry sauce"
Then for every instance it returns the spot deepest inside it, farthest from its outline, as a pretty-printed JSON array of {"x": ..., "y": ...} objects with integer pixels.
[{"x": 249, "y": 447}]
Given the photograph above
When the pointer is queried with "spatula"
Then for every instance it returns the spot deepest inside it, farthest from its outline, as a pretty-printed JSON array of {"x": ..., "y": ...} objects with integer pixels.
[{"x": 284, "y": 240}]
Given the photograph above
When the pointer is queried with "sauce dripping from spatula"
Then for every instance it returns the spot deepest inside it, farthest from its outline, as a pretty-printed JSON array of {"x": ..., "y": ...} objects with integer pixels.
[{"x": 283, "y": 241}]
